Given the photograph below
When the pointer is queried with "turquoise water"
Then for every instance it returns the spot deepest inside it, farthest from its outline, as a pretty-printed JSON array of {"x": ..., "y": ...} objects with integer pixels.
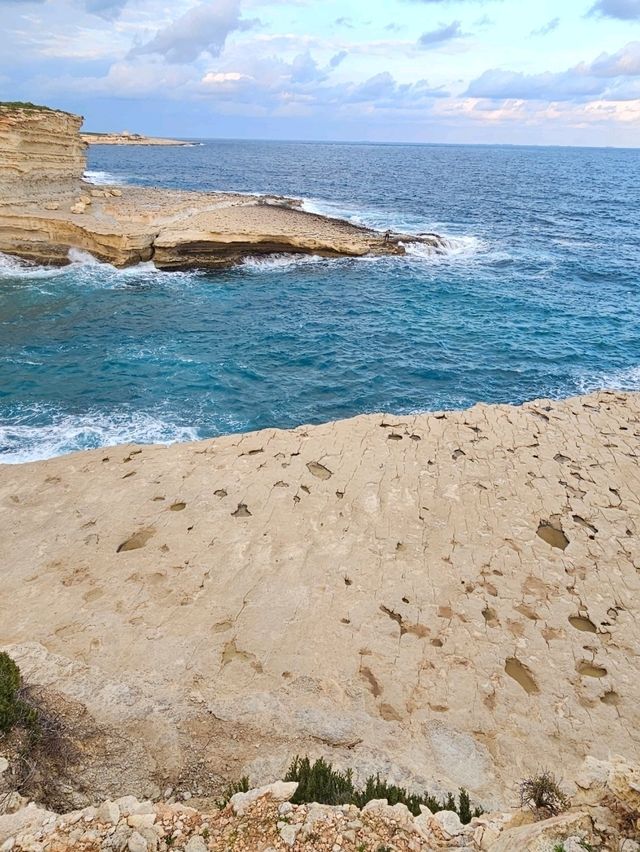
[{"x": 539, "y": 295}]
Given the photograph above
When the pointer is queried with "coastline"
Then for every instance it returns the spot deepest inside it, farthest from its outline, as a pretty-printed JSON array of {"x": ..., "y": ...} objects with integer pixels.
[
  {"x": 132, "y": 139},
  {"x": 346, "y": 589},
  {"x": 47, "y": 210}
]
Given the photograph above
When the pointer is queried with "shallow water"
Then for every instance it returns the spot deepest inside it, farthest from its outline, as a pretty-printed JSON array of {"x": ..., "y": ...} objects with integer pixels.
[{"x": 538, "y": 295}]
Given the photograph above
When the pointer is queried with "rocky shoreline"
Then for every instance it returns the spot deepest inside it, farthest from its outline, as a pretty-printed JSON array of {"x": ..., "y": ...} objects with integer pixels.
[
  {"x": 47, "y": 209},
  {"x": 126, "y": 138}
]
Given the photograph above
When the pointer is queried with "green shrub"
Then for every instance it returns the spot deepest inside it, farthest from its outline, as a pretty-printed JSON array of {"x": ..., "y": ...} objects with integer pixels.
[
  {"x": 241, "y": 786},
  {"x": 320, "y": 782},
  {"x": 13, "y": 710},
  {"x": 9, "y": 687}
]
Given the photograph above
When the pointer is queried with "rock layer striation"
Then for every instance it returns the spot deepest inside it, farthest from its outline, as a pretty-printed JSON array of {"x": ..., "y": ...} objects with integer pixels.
[{"x": 41, "y": 155}]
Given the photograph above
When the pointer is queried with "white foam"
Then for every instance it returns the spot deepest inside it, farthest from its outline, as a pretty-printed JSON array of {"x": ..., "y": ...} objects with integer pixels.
[
  {"x": 459, "y": 248},
  {"x": 99, "y": 178},
  {"x": 83, "y": 258},
  {"x": 622, "y": 380},
  {"x": 25, "y": 441},
  {"x": 279, "y": 262},
  {"x": 13, "y": 267}
]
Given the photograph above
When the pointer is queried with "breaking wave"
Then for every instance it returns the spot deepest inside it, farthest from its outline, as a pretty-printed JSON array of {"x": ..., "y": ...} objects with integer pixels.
[
  {"x": 623, "y": 380},
  {"x": 100, "y": 178},
  {"x": 36, "y": 433}
]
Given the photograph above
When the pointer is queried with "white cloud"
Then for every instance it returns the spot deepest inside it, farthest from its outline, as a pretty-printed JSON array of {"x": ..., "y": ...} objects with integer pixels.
[{"x": 203, "y": 28}]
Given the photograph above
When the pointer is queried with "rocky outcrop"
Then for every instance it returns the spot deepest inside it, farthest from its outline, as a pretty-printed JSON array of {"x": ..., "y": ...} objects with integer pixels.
[
  {"x": 41, "y": 155},
  {"x": 450, "y": 599},
  {"x": 264, "y": 820},
  {"x": 46, "y": 211},
  {"x": 183, "y": 230}
]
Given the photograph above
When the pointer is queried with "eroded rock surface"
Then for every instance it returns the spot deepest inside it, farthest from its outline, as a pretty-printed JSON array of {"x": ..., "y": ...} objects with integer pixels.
[{"x": 373, "y": 590}]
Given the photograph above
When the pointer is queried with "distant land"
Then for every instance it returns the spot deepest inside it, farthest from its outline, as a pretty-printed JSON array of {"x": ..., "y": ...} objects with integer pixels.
[{"x": 125, "y": 137}]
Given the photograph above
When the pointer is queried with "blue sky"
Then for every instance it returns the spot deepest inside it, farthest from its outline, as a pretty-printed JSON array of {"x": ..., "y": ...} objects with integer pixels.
[{"x": 476, "y": 71}]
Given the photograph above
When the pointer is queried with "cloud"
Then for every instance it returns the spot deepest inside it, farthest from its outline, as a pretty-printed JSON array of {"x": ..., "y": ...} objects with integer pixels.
[
  {"x": 606, "y": 77},
  {"x": 445, "y": 32},
  {"x": 500, "y": 85},
  {"x": 547, "y": 28},
  {"x": 203, "y": 28},
  {"x": 443, "y": 2},
  {"x": 338, "y": 58},
  {"x": 108, "y": 9},
  {"x": 624, "y": 10}
]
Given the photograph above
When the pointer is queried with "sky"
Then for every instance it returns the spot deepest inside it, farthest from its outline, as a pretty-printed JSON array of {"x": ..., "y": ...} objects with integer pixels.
[{"x": 452, "y": 71}]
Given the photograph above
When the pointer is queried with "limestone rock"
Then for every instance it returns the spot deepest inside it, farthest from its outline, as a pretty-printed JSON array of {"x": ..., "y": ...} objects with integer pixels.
[
  {"x": 450, "y": 822},
  {"x": 542, "y": 836},
  {"x": 624, "y": 784},
  {"x": 109, "y": 812},
  {"x": 137, "y": 843},
  {"x": 42, "y": 161},
  {"x": 280, "y": 791},
  {"x": 289, "y": 833},
  {"x": 351, "y": 590},
  {"x": 28, "y": 819},
  {"x": 41, "y": 154}
]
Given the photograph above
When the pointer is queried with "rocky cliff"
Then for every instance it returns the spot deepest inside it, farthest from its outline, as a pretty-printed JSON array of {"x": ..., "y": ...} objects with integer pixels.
[{"x": 41, "y": 154}]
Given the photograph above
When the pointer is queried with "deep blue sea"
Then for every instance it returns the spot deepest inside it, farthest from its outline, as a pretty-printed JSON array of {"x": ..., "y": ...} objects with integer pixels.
[{"x": 538, "y": 296}]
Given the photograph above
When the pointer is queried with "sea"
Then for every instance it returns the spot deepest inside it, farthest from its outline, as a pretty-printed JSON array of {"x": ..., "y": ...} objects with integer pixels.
[{"x": 537, "y": 295}]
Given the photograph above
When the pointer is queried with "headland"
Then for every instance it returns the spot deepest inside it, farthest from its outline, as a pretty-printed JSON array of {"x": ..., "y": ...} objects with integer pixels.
[
  {"x": 47, "y": 208},
  {"x": 125, "y": 137}
]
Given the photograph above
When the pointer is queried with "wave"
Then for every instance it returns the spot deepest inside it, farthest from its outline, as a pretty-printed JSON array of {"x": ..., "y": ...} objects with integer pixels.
[
  {"x": 453, "y": 247},
  {"x": 85, "y": 270},
  {"x": 281, "y": 262},
  {"x": 100, "y": 178},
  {"x": 30, "y": 439},
  {"x": 627, "y": 379}
]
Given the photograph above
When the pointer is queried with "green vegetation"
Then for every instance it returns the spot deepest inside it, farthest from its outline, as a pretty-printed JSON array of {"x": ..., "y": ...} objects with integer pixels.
[
  {"x": 241, "y": 786},
  {"x": 320, "y": 782},
  {"x": 24, "y": 105},
  {"x": 543, "y": 795},
  {"x": 27, "y": 105},
  {"x": 13, "y": 710}
]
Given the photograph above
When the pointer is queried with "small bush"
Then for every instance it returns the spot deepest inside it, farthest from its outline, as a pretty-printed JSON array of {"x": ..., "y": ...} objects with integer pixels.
[
  {"x": 14, "y": 710},
  {"x": 241, "y": 786},
  {"x": 543, "y": 795},
  {"x": 320, "y": 782}
]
